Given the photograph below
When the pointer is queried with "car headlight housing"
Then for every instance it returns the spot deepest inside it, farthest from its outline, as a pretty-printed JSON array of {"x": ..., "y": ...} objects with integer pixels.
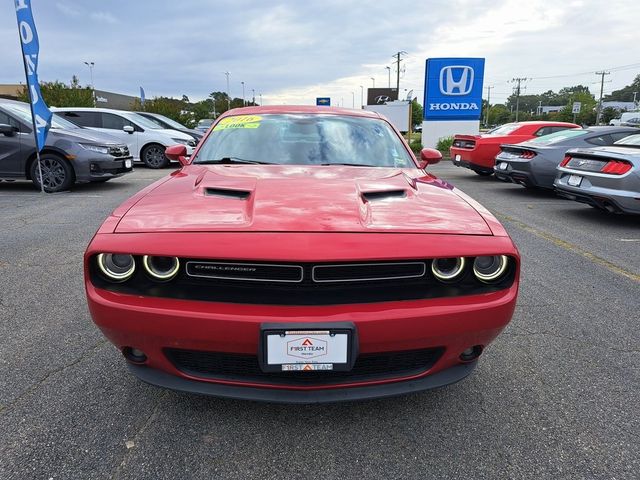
[
  {"x": 116, "y": 267},
  {"x": 448, "y": 269},
  {"x": 161, "y": 268},
  {"x": 490, "y": 269},
  {"x": 95, "y": 148}
]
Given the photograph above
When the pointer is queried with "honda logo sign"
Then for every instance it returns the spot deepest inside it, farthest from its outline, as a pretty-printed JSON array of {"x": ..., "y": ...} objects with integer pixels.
[
  {"x": 453, "y": 88},
  {"x": 456, "y": 80}
]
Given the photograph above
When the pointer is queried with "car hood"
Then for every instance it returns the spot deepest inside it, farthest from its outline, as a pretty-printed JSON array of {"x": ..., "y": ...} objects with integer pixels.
[
  {"x": 272, "y": 198},
  {"x": 172, "y": 133},
  {"x": 83, "y": 135}
]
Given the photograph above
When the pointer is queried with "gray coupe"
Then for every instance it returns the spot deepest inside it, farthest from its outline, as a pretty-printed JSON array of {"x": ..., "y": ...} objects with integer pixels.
[
  {"x": 533, "y": 163},
  {"x": 604, "y": 177}
]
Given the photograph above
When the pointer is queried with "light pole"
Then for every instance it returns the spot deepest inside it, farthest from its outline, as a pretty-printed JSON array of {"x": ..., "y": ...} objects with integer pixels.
[
  {"x": 361, "y": 96},
  {"x": 253, "y": 96},
  {"x": 228, "y": 91},
  {"x": 243, "y": 103},
  {"x": 353, "y": 99},
  {"x": 260, "y": 99},
  {"x": 93, "y": 88},
  {"x": 374, "y": 81},
  {"x": 634, "y": 97},
  {"x": 389, "y": 72}
]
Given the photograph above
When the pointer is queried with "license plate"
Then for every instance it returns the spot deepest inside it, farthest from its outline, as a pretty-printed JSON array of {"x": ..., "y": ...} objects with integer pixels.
[
  {"x": 502, "y": 166},
  {"x": 291, "y": 348},
  {"x": 128, "y": 163},
  {"x": 457, "y": 158},
  {"x": 574, "y": 180}
]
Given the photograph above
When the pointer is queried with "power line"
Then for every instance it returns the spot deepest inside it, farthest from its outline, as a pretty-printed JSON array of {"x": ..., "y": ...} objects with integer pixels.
[
  {"x": 397, "y": 62},
  {"x": 518, "y": 81},
  {"x": 602, "y": 74}
]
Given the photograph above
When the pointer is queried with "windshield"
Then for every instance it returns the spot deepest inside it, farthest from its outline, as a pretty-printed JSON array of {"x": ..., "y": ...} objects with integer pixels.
[
  {"x": 504, "y": 129},
  {"x": 170, "y": 122},
  {"x": 559, "y": 136},
  {"x": 142, "y": 121},
  {"x": 631, "y": 140},
  {"x": 300, "y": 139},
  {"x": 23, "y": 112}
]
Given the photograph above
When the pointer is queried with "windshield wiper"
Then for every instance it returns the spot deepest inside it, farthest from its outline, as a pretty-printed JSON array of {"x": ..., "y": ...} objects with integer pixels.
[
  {"x": 347, "y": 164},
  {"x": 232, "y": 160}
]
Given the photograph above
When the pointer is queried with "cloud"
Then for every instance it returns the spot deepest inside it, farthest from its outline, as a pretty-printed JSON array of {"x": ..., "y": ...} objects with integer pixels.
[
  {"x": 104, "y": 17},
  {"x": 67, "y": 10}
]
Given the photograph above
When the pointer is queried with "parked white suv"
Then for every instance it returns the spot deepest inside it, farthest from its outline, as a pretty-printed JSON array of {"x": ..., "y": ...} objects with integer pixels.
[
  {"x": 625, "y": 117},
  {"x": 145, "y": 139}
]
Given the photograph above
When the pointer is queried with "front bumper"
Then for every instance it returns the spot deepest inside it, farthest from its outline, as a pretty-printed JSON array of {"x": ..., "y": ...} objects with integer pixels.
[
  {"x": 156, "y": 324},
  {"x": 104, "y": 167}
]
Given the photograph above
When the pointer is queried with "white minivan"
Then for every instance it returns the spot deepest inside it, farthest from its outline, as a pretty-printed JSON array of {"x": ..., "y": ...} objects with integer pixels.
[
  {"x": 145, "y": 139},
  {"x": 625, "y": 117}
]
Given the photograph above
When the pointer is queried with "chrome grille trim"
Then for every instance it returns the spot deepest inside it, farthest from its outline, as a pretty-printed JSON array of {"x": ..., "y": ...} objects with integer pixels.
[{"x": 244, "y": 266}]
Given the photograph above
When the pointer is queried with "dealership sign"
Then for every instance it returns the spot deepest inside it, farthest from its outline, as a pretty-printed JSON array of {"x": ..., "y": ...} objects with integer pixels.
[{"x": 453, "y": 88}]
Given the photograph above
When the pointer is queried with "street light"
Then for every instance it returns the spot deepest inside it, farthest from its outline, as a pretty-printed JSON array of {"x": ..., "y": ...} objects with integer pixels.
[
  {"x": 361, "y": 96},
  {"x": 353, "y": 99},
  {"x": 228, "y": 91},
  {"x": 260, "y": 98},
  {"x": 93, "y": 88},
  {"x": 243, "y": 103},
  {"x": 374, "y": 81},
  {"x": 389, "y": 72}
]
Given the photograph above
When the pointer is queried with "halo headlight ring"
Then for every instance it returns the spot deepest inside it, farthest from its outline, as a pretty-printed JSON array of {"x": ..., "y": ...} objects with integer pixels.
[
  {"x": 157, "y": 274},
  {"x": 112, "y": 271},
  {"x": 497, "y": 270},
  {"x": 451, "y": 274}
]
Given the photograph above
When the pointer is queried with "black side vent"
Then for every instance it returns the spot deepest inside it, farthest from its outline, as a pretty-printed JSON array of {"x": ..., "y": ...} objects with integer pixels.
[
  {"x": 222, "y": 192},
  {"x": 371, "y": 196}
]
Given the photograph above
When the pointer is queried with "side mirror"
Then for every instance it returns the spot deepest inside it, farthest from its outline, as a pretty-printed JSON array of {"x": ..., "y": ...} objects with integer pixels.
[
  {"x": 129, "y": 129},
  {"x": 8, "y": 130},
  {"x": 429, "y": 156},
  {"x": 177, "y": 152}
]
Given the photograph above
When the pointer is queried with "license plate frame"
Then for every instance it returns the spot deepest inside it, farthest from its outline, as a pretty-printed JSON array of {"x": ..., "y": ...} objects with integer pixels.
[
  {"x": 128, "y": 163},
  {"x": 502, "y": 166},
  {"x": 574, "y": 180},
  {"x": 457, "y": 158},
  {"x": 287, "y": 333}
]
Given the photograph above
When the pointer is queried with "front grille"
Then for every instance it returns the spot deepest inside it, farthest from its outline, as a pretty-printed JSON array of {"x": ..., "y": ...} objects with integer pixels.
[
  {"x": 260, "y": 283},
  {"x": 586, "y": 164},
  {"x": 237, "y": 367},
  {"x": 119, "y": 151}
]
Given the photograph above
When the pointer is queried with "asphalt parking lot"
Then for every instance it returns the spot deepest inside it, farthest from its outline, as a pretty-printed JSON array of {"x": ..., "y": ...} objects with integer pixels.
[{"x": 555, "y": 396}]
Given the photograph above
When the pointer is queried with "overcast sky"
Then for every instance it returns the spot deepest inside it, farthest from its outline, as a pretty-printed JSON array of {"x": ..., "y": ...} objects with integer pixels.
[{"x": 293, "y": 51}]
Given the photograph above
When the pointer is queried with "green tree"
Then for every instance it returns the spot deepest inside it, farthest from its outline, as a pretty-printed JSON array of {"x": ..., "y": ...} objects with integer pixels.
[
  {"x": 498, "y": 114},
  {"x": 173, "y": 108},
  {"x": 416, "y": 113},
  {"x": 58, "y": 94},
  {"x": 625, "y": 94}
]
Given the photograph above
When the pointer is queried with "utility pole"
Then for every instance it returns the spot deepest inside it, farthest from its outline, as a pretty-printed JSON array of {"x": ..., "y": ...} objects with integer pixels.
[
  {"x": 634, "y": 98},
  {"x": 243, "y": 102},
  {"x": 389, "y": 72},
  {"x": 602, "y": 74},
  {"x": 518, "y": 81},
  {"x": 486, "y": 116},
  {"x": 93, "y": 88},
  {"x": 398, "y": 60},
  {"x": 228, "y": 91}
]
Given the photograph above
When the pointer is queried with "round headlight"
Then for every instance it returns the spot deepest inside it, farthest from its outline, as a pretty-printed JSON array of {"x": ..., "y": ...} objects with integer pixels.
[
  {"x": 161, "y": 268},
  {"x": 117, "y": 267},
  {"x": 490, "y": 269},
  {"x": 447, "y": 269}
]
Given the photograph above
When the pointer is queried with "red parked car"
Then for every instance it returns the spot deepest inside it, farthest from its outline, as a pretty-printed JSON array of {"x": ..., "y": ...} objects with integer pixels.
[
  {"x": 301, "y": 254},
  {"x": 478, "y": 152}
]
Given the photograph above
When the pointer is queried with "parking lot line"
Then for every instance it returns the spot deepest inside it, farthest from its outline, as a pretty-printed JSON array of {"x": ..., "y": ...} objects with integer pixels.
[{"x": 612, "y": 267}]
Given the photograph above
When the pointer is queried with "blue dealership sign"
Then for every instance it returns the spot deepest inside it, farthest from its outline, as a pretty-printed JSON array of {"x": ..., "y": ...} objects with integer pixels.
[
  {"x": 323, "y": 101},
  {"x": 453, "y": 88}
]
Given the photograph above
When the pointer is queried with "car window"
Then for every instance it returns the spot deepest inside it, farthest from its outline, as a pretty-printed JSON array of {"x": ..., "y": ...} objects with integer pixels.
[
  {"x": 114, "y": 122},
  {"x": 303, "y": 139},
  {"x": 504, "y": 129},
  {"x": 600, "y": 140},
  {"x": 544, "y": 131},
  {"x": 620, "y": 135},
  {"x": 631, "y": 140},
  {"x": 9, "y": 120},
  {"x": 559, "y": 136},
  {"x": 83, "y": 119}
]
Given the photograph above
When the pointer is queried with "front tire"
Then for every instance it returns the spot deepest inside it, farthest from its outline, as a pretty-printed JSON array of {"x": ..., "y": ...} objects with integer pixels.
[
  {"x": 153, "y": 156},
  {"x": 57, "y": 173}
]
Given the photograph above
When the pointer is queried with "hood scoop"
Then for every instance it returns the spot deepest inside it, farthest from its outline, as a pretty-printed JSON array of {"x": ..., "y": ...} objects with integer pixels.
[
  {"x": 227, "y": 193},
  {"x": 383, "y": 195}
]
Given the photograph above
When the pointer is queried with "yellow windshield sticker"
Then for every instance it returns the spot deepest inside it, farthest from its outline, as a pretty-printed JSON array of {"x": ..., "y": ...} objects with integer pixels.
[{"x": 239, "y": 121}]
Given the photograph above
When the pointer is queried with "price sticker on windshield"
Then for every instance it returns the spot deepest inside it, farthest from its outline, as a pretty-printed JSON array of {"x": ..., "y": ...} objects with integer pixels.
[{"x": 239, "y": 121}]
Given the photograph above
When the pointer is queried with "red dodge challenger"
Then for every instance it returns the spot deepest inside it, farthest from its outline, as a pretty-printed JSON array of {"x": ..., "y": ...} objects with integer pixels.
[
  {"x": 301, "y": 255},
  {"x": 478, "y": 152}
]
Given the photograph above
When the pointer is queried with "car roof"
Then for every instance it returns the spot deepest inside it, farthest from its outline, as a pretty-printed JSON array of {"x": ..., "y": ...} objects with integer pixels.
[
  {"x": 308, "y": 109},
  {"x": 90, "y": 109},
  {"x": 543, "y": 122},
  {"x": 610, "y": 129}
]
